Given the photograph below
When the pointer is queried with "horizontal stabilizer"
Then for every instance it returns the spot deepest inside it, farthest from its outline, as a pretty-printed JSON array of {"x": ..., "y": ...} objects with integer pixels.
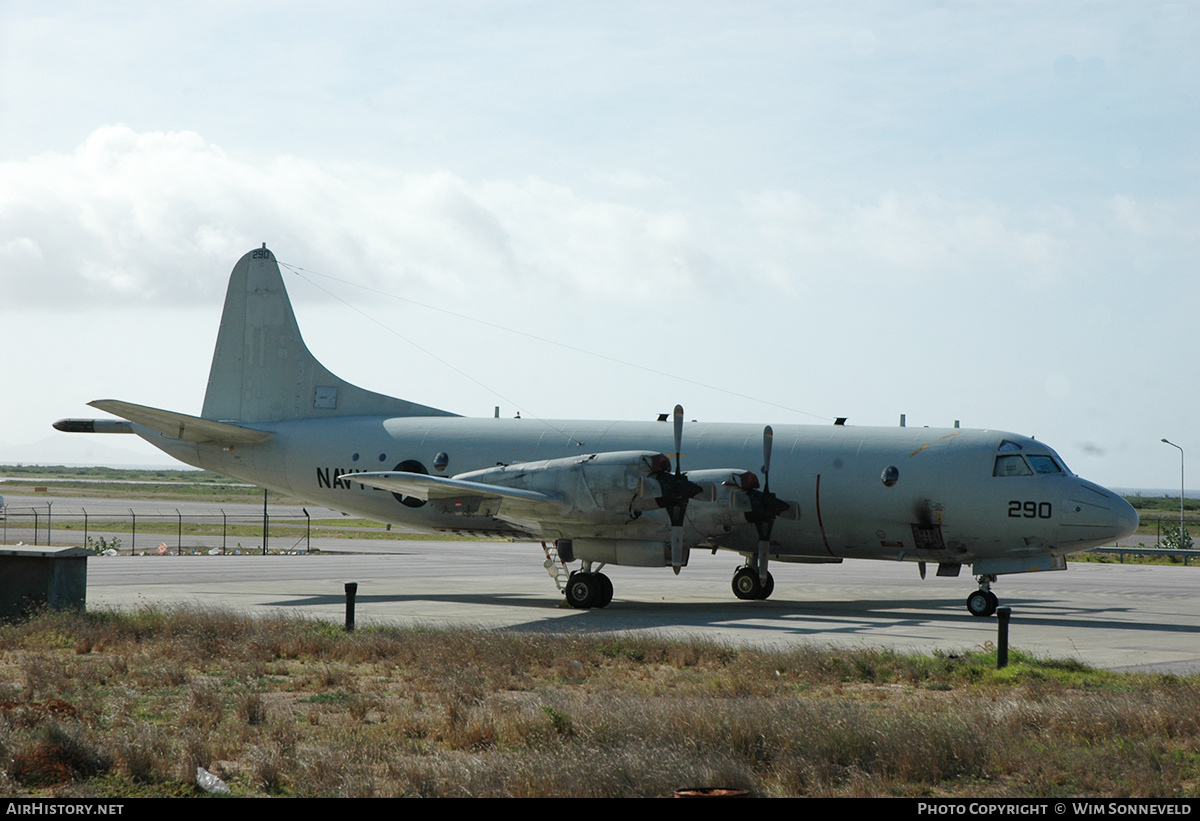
[
  {"x": 436, "y": 488},
  {"x": 180, "y": 425}
]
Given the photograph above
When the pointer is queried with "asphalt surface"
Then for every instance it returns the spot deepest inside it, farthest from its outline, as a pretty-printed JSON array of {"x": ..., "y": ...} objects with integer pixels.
[{"x": 1112, "y": 616}]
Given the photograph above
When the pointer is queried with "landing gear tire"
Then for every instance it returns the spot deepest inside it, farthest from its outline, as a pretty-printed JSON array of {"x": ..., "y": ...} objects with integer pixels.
[
  {"x": 604, "y": 592},
  {"x": 583, "y": 590},
  {"x": 745, "y": 583},
  {"x": 982, "y": 603},
  {"x": 769, "y": 587},
  {"x": 747, "y": 586}
]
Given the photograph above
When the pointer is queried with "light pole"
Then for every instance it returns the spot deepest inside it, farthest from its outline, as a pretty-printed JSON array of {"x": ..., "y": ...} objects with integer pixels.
[{"x": 1172, "y": 444}]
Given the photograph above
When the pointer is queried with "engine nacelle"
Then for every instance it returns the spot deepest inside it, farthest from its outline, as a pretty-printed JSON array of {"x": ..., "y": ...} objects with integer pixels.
[
  {"x": 724, "y": 487},
  {"x": 598, "y": 488}
]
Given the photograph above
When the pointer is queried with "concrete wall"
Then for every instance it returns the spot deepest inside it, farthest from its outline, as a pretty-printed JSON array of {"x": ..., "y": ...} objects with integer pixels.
[{"x": 33, "y": 578}]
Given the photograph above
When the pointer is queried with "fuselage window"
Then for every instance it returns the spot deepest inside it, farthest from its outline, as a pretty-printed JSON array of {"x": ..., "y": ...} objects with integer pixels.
[
  {"x": 1011, "y": 466},
  {"x": 1044, "y": 465}
]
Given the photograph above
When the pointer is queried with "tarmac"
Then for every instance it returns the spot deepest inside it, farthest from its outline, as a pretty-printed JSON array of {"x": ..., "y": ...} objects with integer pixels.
[{"x": 1121, "y": 617}]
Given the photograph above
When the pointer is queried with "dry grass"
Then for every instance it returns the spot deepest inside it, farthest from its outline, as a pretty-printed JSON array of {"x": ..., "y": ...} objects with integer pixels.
[{"x": 128, "y": 705}]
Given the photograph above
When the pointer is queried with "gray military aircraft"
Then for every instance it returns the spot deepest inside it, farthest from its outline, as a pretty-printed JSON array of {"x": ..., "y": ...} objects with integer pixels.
[{"x": 602, "y": 493}]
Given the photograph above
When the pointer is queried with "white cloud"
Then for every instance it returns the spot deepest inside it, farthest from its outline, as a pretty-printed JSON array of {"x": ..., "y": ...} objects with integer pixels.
[{"x": 159, "y": 217}]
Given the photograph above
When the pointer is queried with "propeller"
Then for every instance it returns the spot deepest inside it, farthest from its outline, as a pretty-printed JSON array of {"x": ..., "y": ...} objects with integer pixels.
[
  {"x": 765, "y": 507},
  {"x": 676, "y": 491}
]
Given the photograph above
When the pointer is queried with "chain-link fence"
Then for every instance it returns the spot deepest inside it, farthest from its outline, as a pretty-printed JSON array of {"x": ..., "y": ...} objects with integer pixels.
[{"x": 163, "y": 531}]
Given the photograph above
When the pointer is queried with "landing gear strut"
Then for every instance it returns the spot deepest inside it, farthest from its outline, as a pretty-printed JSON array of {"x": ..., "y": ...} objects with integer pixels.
[
  {"x": 983, "y": 602},
  {"x": 746, "y": 584},
  {"x": 587, "y": 590}
]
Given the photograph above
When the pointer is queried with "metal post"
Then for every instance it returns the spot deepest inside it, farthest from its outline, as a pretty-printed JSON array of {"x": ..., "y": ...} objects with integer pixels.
[
  {"x": 1003, "y": 614},
  {"x": 179, "y": 533},
  {"x": 85, "y": 528},
  {"x": 35, "y": 527},
  {"x": 224, "y": 528},
  {"x": 1181, "y": 491},
  {"x": 307, "y": 531},
  {"x": 133, "y": 533},
  {"x": 50, "y": 520},
  {"x": 264, "y": 521},
  {"x": 351, "y": 592}
]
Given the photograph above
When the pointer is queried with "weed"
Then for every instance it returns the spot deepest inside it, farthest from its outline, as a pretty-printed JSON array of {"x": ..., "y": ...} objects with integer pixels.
[
  {"x": 61, "y": 756},
  {"x": 287, "y": 707}
]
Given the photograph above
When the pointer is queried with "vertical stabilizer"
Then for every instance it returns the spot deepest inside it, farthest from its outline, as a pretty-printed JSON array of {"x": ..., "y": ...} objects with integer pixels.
[{"x": 263, "y": 372}]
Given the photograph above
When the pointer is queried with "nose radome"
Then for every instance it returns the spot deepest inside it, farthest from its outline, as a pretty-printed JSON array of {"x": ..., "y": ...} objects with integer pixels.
[
  {"x": 1126, "y": 518},
  {"x": 1113, "y": 516}
]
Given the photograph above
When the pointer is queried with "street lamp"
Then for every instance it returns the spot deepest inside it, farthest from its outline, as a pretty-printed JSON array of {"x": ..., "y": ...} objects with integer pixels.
[{"x": 1172, "y": 444}]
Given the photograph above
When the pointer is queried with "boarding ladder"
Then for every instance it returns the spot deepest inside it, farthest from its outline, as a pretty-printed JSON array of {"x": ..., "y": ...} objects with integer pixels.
[{"x": 555, "y": 566}]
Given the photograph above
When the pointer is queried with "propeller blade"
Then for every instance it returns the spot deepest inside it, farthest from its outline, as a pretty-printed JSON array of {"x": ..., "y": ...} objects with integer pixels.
[
  {"x": 768, "y": 438},
  {"x": 677, "y": 489},
  {"x": 678, "y": 435}
]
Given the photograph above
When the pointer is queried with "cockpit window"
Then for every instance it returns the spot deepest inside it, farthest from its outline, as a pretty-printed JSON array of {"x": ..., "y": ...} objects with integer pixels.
[
  {"x": 1011, "y": 466},
  {"x": 1008, "y": 446},
  {"x": 1044, "y": 465}
]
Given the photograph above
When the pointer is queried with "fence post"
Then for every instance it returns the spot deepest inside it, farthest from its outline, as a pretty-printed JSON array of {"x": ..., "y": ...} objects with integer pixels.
[
  {"x": 179, "y": 533},
  {"x": 133, "y": 533}
]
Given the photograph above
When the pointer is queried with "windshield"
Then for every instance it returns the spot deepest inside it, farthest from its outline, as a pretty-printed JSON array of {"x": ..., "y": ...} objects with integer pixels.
[
  {"x": 1044, "y": 465},
  {"x": 1011, "y": 466}
]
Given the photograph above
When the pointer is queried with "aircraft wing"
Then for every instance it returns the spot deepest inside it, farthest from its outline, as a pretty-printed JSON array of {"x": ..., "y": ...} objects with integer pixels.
[
  {"x": 467, "y": 497},
  {"x": 180, "y": 425}
]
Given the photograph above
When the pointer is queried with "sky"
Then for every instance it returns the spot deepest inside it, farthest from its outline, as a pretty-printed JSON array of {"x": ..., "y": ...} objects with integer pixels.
[{"x": 774, "y": 212}]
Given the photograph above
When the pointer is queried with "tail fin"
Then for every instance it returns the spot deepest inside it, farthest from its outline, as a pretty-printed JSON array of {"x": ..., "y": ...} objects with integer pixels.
[{"x": 263, "y": 372}]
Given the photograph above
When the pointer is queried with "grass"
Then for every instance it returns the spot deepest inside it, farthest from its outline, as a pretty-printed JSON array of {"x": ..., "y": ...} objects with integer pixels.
[{"x": 125, "y": 705}]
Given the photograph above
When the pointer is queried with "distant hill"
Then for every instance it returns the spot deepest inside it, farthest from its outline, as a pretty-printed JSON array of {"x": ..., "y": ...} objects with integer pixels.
[{"x": 77, "y": 449}]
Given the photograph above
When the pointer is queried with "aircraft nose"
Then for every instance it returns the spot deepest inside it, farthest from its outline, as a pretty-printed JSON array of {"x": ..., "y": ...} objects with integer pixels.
[
  {"x": 1126, "y": 519},
  {"x": 1105, "y": 515}
]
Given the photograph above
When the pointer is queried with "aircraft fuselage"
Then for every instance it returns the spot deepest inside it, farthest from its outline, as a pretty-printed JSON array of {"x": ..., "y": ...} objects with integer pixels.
[{"x": 945, "y": 504}]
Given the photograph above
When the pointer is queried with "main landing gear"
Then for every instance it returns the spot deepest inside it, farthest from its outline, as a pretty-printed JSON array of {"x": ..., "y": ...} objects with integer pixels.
[
  {"x": 747, "y": 585},
  {"x": 983, "y": 602},
  {"x": 588, "y": 590}
]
